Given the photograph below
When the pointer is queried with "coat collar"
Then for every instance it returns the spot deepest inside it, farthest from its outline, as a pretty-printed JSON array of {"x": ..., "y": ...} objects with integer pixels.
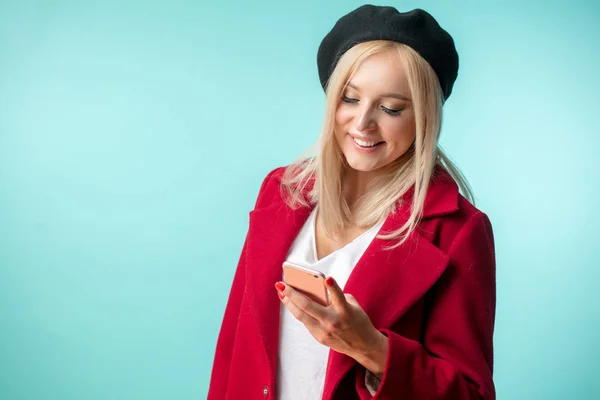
[
  {"x": 386, "y": 283},
  {"x": 442, "y": 195}
]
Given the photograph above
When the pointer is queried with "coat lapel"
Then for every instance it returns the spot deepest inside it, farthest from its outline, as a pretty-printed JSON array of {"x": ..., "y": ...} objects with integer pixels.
[
  {"x": 271, "y": 233},
  {"x": 387, "y": 283}
]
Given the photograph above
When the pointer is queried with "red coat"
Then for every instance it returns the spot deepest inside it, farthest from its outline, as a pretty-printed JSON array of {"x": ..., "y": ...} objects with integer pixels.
[{"x": 434, "y": 297}]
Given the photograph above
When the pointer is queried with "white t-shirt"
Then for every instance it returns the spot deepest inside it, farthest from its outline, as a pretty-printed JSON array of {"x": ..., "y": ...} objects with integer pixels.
[{"x": 302, "y": 361}]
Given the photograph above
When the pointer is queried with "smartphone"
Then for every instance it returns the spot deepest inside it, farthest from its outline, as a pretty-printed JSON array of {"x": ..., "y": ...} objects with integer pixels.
[{"x": 307, "y": 281}]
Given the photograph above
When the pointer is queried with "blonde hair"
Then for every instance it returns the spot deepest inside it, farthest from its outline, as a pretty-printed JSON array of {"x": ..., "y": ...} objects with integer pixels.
[{"x": 413, "y": 169}]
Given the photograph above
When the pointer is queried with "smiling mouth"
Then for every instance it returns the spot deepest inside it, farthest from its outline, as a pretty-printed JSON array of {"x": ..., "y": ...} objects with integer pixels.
[{"x": 365, "y": 144}]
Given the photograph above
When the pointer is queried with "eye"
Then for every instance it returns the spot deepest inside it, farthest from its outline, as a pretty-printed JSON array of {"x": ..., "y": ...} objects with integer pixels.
[
  {"x": 389, "y": 111},
  {"x": 348, "y": 99}
]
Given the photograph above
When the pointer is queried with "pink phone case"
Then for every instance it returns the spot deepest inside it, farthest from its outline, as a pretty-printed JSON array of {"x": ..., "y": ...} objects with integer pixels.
[{"x": 307, "y": 281}]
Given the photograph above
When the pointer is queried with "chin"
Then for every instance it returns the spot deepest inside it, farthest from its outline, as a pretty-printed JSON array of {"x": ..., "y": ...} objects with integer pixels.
[{"x": 362, "y": 166}]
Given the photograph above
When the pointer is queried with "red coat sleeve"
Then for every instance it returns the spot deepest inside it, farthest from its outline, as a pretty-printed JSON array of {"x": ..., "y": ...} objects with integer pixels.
[
  {"x": 455, "y": 360},
  {"x": 220, "y": 370}
]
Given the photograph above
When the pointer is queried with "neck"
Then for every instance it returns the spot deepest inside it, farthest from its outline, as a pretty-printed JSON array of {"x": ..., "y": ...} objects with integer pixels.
[{"x": 355, "y": 185}]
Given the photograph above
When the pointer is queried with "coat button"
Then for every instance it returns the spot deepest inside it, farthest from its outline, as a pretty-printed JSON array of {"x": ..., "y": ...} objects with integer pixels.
[{"x": 266, "y": 391}]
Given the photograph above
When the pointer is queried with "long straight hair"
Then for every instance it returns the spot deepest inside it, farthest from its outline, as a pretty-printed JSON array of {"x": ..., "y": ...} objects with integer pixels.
[{"x": 326, "y": 165}]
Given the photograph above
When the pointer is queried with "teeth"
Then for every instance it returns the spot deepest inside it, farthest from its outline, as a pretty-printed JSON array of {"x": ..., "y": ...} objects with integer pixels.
[{"x": 364, "y": 144}]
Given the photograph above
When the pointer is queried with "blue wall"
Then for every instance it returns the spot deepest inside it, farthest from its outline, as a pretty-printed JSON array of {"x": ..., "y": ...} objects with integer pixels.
[{"x": 133, "y": 139}]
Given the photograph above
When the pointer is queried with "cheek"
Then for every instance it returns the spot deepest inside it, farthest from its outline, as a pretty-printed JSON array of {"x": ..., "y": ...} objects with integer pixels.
[
  {"x": 342, "y": 115},
  {"x": 401, "y": 135}
]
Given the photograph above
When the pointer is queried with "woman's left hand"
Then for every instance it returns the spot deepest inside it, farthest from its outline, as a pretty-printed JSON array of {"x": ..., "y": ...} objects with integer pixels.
[{"x": 343, "y": 325}]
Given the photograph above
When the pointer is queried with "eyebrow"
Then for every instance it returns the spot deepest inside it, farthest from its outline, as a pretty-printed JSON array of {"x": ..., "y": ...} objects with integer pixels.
[{"x": 394, "y": 95}]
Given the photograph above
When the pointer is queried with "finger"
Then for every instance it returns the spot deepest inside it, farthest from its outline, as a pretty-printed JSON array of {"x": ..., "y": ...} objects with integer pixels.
[
  {"x": 351, "y": 300},
  {"x": 300, "y": 315},
  {"x": 336, "y": 295},
  {"x": 305, "y": 304}
]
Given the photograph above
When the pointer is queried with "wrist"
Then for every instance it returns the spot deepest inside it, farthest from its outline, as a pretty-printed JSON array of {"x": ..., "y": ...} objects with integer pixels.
[{"x": 374, "y": 357}]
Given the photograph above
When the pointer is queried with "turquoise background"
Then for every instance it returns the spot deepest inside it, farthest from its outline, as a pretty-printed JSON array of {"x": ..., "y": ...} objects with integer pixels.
[{"x": 134, "y": 137}]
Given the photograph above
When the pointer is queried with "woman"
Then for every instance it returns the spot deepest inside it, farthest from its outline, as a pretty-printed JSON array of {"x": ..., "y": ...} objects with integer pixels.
[{"x": 410, "y": 261}]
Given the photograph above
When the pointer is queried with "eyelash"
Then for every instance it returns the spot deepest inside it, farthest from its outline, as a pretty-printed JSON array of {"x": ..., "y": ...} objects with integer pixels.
[{"x": 393, "y": 113}]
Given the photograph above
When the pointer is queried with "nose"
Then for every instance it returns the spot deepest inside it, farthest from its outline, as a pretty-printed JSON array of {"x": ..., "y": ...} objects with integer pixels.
[{"x": 365, "y": 119}]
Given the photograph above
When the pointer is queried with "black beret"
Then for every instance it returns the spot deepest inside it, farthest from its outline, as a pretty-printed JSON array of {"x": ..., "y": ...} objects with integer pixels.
[{"x": 416, "y": 28}]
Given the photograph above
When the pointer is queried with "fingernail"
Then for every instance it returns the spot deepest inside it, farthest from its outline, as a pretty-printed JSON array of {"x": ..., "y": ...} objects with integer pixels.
[
  {"x": 329, "y": 281},
  {"x": 280, "y": 286},
  {"x": 281, "y": 295}
]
